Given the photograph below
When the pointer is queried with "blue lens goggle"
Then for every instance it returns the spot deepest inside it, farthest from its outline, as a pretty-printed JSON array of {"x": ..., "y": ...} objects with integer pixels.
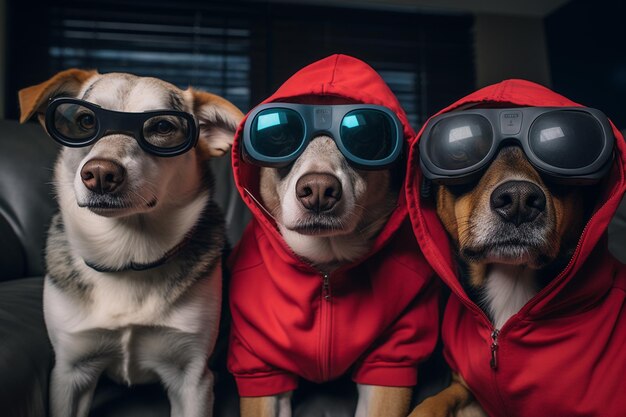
[{"x": 369, "y": 136}]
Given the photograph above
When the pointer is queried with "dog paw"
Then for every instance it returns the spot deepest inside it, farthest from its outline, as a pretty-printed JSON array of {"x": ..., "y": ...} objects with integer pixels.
[
  {"x": 430, "y": 407},
  {"x": 471, "y": 410}
]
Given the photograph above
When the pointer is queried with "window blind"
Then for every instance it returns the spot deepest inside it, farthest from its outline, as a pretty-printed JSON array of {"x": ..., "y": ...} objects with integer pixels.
[
  {"x": 208, "y": 49},
  {"x": 239, "y": 49}
]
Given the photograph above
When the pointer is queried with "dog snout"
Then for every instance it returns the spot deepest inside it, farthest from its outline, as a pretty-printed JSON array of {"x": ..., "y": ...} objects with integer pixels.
[
  {"x": 102, "y": 176},
  {"x": 318, "y": 192},
  {"x": 518, "y": 202}
]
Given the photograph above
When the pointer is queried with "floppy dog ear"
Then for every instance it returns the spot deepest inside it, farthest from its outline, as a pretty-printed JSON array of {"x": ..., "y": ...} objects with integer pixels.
[
  {"x": 217, "y": 118},
  {"x": 34, "y": 99}
]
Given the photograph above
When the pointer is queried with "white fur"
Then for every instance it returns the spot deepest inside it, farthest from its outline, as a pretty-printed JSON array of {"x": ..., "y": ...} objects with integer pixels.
[
  {"x": 322, "y": 249},
  {"x": 507, "y": 289},
  {"x": 332, "y": 163},
  {"x": 115, "y": 306},
  {"x": 365, "y": 399},
  {"x": 284, "y": 404}
]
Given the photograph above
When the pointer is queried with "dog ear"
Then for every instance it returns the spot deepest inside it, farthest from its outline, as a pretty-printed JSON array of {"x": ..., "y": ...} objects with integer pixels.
[
  {"x": 34, "y": 99},
  {"x": 217, "y": 118}
]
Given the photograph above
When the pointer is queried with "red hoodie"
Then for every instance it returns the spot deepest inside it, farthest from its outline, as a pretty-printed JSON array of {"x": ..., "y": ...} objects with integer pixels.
[
  {"x": 381, "y": 318},
  {"x": 564, "y": 352}
]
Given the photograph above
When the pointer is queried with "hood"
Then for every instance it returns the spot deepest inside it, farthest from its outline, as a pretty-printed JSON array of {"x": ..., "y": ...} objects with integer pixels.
[
  {"x": 576, "y": 286},
  {"x": 337, "y": 79}
]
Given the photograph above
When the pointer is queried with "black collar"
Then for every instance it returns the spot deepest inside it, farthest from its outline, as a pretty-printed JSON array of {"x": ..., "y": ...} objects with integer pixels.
[{"x": 134, "y": 266}]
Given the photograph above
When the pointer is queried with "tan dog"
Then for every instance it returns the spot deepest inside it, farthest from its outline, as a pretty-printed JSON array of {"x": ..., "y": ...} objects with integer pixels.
[
  {"x": 328, "y": 213},
  {"x": 508, "y": 229},
  {"x": 133, "y": 284}
]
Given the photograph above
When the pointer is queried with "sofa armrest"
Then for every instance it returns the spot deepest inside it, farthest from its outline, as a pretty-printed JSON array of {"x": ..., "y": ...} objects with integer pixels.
[{"x": 26, "y": 355}]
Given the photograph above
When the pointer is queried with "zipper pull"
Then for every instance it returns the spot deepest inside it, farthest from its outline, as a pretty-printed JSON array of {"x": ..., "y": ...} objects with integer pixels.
[
  {"x": 494, "y": 349},
  {"x": 326, "y": 287}
]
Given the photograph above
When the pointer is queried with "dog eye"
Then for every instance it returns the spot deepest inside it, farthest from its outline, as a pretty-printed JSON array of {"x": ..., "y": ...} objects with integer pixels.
[
  {"x": 459, "y": 155},
  {"x": 164, "y": 127},
  {"x": 166, "y": 131},
  {"x": 86, "y": 121}
]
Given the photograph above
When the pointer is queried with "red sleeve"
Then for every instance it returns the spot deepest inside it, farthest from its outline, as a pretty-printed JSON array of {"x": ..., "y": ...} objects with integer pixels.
[
  {"x": 394, "y": 359},
  {"x": 254, "y": 377}
]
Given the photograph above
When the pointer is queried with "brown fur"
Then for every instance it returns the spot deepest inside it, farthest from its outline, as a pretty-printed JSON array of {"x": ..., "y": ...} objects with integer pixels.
[
  {"x": 448, "y": 402},
  {"x": 384, "y": 402},
  {"x": 34, "y": 99},
  {"x": 258, "y": 406},
  {"x": 564, "y": 210},
  {"x": 389, "y": 401}
]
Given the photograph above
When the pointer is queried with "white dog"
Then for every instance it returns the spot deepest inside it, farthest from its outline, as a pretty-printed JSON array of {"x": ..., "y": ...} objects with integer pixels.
[{"x": 133, "y": 285}]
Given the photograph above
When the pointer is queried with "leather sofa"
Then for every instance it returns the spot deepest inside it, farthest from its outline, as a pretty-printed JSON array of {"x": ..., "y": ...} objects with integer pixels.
[{"x": 27, "y": 203}]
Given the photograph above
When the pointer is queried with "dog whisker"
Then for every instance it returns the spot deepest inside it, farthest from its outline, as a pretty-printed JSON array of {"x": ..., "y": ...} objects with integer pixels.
[
  {"x": 376, "y": 224},
  {"x": 259, "y": 204},
  {"x": 145, "y": 200}
]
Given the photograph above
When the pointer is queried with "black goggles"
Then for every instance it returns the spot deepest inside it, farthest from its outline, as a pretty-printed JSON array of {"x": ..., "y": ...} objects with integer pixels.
[
  {"x": 369, "y": 136},
  {"x": 77, "y": 123},
  {"x": 566, "y": 144}
]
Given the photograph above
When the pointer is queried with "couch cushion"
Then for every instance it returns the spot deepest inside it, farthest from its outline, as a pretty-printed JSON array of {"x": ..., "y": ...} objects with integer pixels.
[
  {"x": 25, "y": 353},
  {"x": 26, "y": 200}
]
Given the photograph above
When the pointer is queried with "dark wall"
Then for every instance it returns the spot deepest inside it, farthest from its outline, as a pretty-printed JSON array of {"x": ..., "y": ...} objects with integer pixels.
[{"x": 587, "y": 49}]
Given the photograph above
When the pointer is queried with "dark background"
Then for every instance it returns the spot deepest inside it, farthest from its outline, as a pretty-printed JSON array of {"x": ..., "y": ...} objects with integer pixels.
[{"x": 430, "y": 52}]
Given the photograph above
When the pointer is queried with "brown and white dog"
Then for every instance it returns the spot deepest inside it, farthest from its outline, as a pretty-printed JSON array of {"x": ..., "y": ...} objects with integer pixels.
[
  {"x": 327, "y": 280},
  {"x": 510, "y": 229},
  {"x": 133, "y": 284}
]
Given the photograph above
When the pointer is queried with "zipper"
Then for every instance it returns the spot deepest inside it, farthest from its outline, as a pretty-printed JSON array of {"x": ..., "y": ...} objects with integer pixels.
[
  {"x": 494, "y": 349},
  {"x": 493, "y": 363},
  {"x": 326, "y": 287},
  {"x": 326, "y": 327}
]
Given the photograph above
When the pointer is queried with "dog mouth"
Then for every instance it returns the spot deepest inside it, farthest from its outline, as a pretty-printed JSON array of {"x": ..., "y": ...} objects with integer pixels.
[
  {"x": 106, "y": 205},
  {"x": 509, "y": 251},
  {"x": 319, "y": 225}
]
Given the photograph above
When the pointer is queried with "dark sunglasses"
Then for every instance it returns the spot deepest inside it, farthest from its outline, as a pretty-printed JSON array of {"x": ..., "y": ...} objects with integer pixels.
[
  {"x": 369, "y": 136},
  {"x": 566, "y": 144},
  {"x": 77, "y": 123}
]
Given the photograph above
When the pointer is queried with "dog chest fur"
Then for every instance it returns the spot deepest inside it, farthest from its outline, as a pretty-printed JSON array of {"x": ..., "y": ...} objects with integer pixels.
[
  {"x": 130, "y": 312},
  {"x": 507, "y": 289}
]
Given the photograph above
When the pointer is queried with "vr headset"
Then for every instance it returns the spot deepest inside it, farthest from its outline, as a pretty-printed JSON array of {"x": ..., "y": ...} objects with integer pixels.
[
  {"x": 572, "y": 145},
  {"x": 276, "y": 134}
]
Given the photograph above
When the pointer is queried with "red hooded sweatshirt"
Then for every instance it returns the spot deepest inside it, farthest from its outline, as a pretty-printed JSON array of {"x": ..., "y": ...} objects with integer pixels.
[
  {"x": 564, "y": 352},
  {"x": 381, "y": 317}
]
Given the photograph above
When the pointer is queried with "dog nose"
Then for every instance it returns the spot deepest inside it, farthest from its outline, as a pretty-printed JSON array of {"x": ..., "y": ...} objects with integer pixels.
[
  {"x": 102, "y": 176},
  {"x": 518, "y": 201},
  {"x": 318, "y": 192}
]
